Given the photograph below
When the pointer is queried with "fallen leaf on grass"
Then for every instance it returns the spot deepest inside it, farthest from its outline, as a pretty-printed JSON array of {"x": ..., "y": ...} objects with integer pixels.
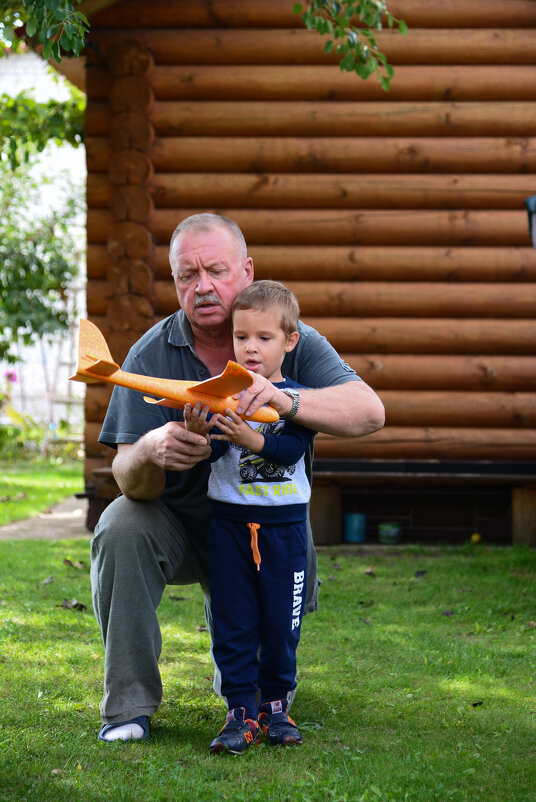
[
  {"x": 418, "y": 574},
  {"x": 202, "y": 629},
  {"x": 57, "y": 771},
  {"x": 174, "y": 597},
  {"x": 79, "y": 565},
  {"x": 447, "y": 612},
  {"x": 336, "y": 567},
  {"x": 476, "y": 704},
  {"x": 48, "y": 580},
  {"x": 17, "y": 497},
  {"x": 365, "y": 621},
  {"x": 369, "y": 572},
  {"x": 531, "y": 623},
  {"x": 73, "y": 604}
]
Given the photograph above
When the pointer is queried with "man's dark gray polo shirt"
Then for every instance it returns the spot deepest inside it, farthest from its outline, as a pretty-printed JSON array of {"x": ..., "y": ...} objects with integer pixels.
[{"x": 166, "y": 351}]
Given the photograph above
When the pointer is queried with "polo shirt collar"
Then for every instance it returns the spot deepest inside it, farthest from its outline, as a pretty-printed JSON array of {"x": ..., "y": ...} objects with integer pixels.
[{"x": 180, "y": 332}]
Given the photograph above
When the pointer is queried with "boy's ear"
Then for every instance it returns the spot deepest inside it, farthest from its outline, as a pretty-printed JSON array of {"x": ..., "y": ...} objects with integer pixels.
[{"x": 292, "y": 339}]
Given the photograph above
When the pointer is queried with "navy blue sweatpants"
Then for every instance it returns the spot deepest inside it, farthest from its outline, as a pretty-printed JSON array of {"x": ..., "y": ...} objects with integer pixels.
[{"x": 253, "y": 607}]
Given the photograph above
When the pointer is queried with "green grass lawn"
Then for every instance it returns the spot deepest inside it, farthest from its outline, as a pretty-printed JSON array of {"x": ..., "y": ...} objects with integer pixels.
[
  {"x": 29, "y": 489},
  {"x": 416, "y": 683}
]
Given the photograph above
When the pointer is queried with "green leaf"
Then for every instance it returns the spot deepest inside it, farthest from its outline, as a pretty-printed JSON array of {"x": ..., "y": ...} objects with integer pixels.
[
  {"x": 403, "y": 28},
  {"x": 31, "y": 26},
  {"x": 297, "y": 8}
]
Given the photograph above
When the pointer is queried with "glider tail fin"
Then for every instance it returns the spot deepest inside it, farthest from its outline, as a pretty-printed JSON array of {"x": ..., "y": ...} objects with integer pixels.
[{"x": 94, "y": 358}]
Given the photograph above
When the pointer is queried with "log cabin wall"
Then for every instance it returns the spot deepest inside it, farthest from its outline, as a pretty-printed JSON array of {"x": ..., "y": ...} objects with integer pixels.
[{"x": 397, "y": 218}]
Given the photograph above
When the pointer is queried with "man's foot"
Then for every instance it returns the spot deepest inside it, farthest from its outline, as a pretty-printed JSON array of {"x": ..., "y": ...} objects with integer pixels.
[
  {"x": 237, "y": 734},
  {"x": 137, "y": 729},
  {"x": 276, "y": 724}
]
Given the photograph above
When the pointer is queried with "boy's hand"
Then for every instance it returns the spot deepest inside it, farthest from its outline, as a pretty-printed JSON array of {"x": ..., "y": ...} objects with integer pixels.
[
  {"x": 238, "y": 431},
  {"x": 195, "y": 419}
]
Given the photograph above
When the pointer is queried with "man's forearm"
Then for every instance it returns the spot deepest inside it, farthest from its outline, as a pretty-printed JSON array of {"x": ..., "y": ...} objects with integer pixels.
[
  {"x": 346, "y": 410},
  {"x": 137, "y": 477}
]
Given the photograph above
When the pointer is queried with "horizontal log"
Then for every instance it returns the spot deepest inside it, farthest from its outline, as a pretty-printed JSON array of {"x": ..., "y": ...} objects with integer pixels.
[
  {"x": 447, "y": 373},
  {"x": 431, "y": 336},
  {"x": 334, "y": 227},
  {"x": 94, "y": 449},
  {"x": 93, "y": 463},
  {"x": 384, "y": 263},
  {"x": 278, "y": 14},
  {"x": 412, "y": 442},
  {"x": 390, "y": 299},
  {"x": 373, "y": 263},
  {"x": 331, "y": 154},
  {"x": 341, "y": 191},
  {"x": 300, "y": 46},
  {"x": 337, "y": 118},
  {"x": 476, "y": 14},
  {"x": 98, "y": 297},
  {"x": 327, "y": 82},
  {"x": 471, "y": 409},
  {"x": 97, "y": 400}
]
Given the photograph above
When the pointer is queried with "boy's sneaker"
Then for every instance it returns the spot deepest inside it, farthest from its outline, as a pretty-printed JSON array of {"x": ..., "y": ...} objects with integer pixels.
[
  {"x": 277, "y": 725},
  {"x": 237, "y": 734}
]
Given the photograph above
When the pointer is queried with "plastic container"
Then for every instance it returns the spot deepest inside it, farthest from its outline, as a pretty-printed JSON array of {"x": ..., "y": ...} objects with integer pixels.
[
  {"x": 355, "y": 525},
  {"x": 389, "y": 532}
]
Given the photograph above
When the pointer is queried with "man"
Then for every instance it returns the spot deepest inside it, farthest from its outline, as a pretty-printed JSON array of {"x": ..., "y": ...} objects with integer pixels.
[{"x": 153, "y": 534}]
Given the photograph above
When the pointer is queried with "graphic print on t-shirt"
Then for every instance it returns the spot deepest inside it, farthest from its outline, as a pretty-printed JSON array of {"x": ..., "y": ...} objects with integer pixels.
[{"x": 251, "y": 466}]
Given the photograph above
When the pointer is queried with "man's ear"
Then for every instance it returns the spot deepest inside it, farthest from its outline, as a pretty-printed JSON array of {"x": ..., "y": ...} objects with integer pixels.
[{"x": 292, "y": 340}]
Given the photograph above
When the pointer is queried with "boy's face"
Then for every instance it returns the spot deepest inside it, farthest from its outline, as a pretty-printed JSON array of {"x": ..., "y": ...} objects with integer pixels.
[{"x": 260, "y": 344}]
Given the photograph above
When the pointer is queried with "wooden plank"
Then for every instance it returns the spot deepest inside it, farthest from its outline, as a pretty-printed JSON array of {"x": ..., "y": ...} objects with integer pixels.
[
  {"x": 278, "y": 14},
  {"x": 340, "y": 227},
  {"x": 389, "y": 299},
  {"x": 438, "y": 442},
  {"x": 365, "y": 154},
  {"x": 300, "y": 46},
  {"x": 327, "y": 82},
  {"x": 337, "y": 118},
  {"x": 445, "y": 372},
  {"x": 340, "y": 191},
  {"x": 524, "y": 516},
  {"x": 459, "y": 13},
  {"x": 455, "y": 408},
  {"x": 385, "y": 263},
  {"x": 428, "y": 336}
]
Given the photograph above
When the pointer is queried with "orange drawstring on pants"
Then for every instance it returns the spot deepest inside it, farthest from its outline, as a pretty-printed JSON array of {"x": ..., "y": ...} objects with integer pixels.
[{"x": 254, "y": 528}]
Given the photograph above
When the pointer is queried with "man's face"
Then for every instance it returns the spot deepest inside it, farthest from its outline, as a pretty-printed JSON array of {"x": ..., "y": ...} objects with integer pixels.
[{"x": 210, "y": 272}]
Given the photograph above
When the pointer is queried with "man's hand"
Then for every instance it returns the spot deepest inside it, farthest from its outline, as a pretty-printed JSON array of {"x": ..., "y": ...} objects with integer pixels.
[
  {"x": 173, "y": 448},
  {"x": 238, "y": 431},
  {"x": 262, "y": 392},
  {"x": 139, "y": 467}
]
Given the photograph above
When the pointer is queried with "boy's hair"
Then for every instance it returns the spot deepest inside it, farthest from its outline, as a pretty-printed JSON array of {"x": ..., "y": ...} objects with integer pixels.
[{"x": 268, "y": 294}]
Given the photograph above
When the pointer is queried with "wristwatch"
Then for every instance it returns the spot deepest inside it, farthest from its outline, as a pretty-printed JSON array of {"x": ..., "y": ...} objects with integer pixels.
[{"x": 295, "y": 395}]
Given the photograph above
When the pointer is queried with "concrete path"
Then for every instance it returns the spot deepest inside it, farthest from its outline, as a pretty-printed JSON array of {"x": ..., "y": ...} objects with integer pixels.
[{"x": 65, "y": 520}]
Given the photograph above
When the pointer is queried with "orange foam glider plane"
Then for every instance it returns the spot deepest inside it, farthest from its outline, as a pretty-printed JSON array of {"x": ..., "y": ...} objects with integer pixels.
[{"x": 95, "y": 364}]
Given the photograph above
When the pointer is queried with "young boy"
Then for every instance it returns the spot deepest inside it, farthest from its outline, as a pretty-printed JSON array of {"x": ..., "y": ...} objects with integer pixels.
[{"x": 257, "y": 538}]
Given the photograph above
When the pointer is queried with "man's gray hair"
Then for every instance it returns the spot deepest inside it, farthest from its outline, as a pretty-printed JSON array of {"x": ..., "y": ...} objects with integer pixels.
[{"x": 203, "y": 223}]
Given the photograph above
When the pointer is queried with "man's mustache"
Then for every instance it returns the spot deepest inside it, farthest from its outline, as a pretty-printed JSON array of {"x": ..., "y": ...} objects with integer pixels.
[{"x": 209, "y": 298}]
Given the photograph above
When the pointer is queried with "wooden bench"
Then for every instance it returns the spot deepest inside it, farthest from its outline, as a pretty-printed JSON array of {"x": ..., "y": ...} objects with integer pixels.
[{"x": 333, "y": 478}]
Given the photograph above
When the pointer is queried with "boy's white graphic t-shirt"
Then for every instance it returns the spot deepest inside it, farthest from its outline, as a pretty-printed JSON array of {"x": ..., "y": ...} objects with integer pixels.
[{"x": 243, "y": 484}]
